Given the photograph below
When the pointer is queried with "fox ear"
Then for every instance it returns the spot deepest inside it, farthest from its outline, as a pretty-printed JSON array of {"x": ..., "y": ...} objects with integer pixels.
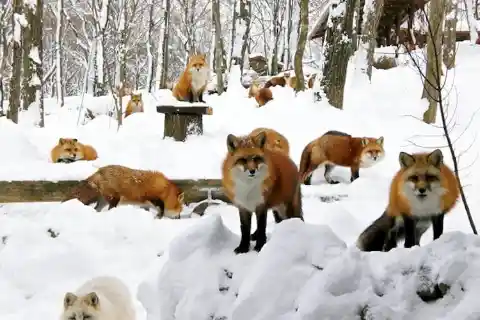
[
  {"x": 232, "y": 143},
  {"x": 435, "y": 158},
  {"x": 380, "y": 141},
  {"x": 92, "y": 299},
  {"x": 364, "y": 142},
  {"x": 61, "y": 141},
  {"x": 406, "y": 160},
  {"x": 75, "y": 140},
  {"x": 260, "y": 140},
  {"x": 181, "y": 197},
  {"x": 69, "y": 300}
]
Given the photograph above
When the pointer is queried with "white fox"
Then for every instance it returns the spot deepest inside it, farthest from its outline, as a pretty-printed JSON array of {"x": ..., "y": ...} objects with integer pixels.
[{"x": 101, "y": 298}]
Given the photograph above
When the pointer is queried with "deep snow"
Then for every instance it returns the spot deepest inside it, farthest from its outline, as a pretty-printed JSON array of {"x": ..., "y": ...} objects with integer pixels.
[{"x": 36, "y": 269}]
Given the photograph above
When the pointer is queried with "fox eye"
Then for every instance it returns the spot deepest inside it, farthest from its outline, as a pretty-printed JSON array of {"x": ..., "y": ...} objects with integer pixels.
[
  {"x": 68, "y": 150},
  {"x": 413, "y": 179},
  {"x": 431, "y": 178},
  {"x": 76, "y": 149},
  {"x": 257, "y": 158},
  {"x": 241, "y": 161}
]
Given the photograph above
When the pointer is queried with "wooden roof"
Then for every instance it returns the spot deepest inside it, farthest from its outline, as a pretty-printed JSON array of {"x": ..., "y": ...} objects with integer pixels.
[{"x": 390, "y": 10}]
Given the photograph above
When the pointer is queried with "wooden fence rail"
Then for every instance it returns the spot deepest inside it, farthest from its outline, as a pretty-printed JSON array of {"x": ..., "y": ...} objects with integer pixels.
[{"x": 49, "y": 191}]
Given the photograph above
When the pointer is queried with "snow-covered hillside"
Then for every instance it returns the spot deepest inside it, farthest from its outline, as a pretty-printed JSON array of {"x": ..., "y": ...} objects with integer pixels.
[{"x": 48, "y": 249}]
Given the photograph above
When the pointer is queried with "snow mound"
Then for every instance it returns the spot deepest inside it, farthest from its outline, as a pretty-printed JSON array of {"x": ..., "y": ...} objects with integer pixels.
[
  {"x": 306, "y": 272},
  {"x": 16, "y": 144}
]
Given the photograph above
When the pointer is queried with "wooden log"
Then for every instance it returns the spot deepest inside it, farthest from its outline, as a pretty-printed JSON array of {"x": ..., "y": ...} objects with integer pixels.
[
  {"x": 48, "y": 191},
  {"x": 181, "y": 120}
]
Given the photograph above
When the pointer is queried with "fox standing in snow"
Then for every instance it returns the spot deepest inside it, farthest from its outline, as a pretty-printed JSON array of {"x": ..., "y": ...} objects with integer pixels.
[
  {"x": 421, "y": 193},
  {"x": 256, "y": 179},
  {"x": 193, "y": 80},
  {"x": 275, "y": 140},
  {"x": 261, "y": 95},
  {"x": 101, "y": 298},
  {"x": 70, "y": 150},
  {"x": 114, "y": 183},
  {"x": 339, "y": 148},
  {"x": 134, "y": 105},
  {"x": 277, "y": 80}
]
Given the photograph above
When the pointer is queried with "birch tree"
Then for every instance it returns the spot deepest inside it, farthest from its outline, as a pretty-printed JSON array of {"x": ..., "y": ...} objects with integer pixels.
[
  {"x": 150, "y": 66},
  {"x": 5, "y": 15},
  {"x": 242, "y": 32},
  {"x": 276, "y": 27},
  {"x": 162, "y": 50},
  {"x": 28, "y": 85},
  {"x": 100, "y": 11},
  {"x": 450, "y": 35},
  {"x": 434, "y": 58},
  {"x": 287, "y": 34},
  {"x": 472, "y": 23},
  {"x": 36, "y": 57},
  {"x": 59, "y": 53},
  {"x": 302, "y": 39},
  {"x": 18, "y": 21}
]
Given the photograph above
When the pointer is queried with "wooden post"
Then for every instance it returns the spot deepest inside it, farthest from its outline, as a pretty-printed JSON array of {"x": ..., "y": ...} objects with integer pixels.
[{"x": 181, "y": 121}]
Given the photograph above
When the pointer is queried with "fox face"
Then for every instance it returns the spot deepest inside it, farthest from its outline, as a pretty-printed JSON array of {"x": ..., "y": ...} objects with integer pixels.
[
  {"x": 422, "y": 176},
  {"x": 372, "y": 152},
  {"x": 136, "y": 97},
  {"x": 174, "y": 208},
  {"x": 70, "y": 150},
  {"x": 197, "y": 65},
  {"x": 248, "y": 154},
  {"x": 81, "y": 307}
]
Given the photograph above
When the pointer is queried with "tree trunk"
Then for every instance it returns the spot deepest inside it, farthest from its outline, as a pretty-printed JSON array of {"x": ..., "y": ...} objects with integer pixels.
[
  {"x": 434, "y": 58},
  {"x": 369, "y": 33},
  {"x": 59, "y": 54},
  {"x": 302, "y": 39},
  {"x": 338, "y": 52},
  {"x": 14, "y": 99},
  {"x": 165, "y": 51},
  {"x": 28, "y": 88},
  {"x": 287, "y": 35},
  {"x": 357, "y": 27},
  {"x": 37, "y": 42},
  {"x": 450, "y": 33},
  {"x": 4, "y": 58},
  {"x": 276, "y": 35},
  {"x": 246, "y": 11},
  {"x": 242, "y": 29},
  {"x": 472, "y": 26},
  {"x": 150, "y": 67},
  {"x": 218, "y": 45},
  {"x": 232, "y": 36}
]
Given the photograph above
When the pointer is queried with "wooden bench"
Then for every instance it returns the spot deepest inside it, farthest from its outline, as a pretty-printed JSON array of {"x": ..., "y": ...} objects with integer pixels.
[{"x": 184, "y": 119}]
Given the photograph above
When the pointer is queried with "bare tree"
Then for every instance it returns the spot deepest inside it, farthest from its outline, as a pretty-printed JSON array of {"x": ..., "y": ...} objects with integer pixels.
[
  {"x": 472, "y": 25},
  {"x": 242, "y": 29},
  {"x": 150, "y": 66},
  {"x": 450, "y": 35},
  {"x": 18, "y": 21},
  {"x": 218, "y": 45},
  {"x": 5, "y": 15},
  {"x": 338, "y": 51},
  {"x": 276, "y": 27},
  {"x": 36, "y": 56},
  {"x": 302, "y": 38},
  {"x": 60, "y": 17},
  {"x": 434, "y": 56},
  {"x": 162, "y": 52},
  {"x": 28, "y": 87},
  {"x": 287, "y": 34}
]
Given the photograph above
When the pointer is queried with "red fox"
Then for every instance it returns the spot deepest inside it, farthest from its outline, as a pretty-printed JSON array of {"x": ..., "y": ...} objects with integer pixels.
[
  {"x": 311, "y": 80},
  {"x": 275, "y": 140},
  {"x": 193, "y": 80},
  {"x": 276, "y": 81},
  {"x": 256, "y": 179},
  {"x": 262, "y": 95},
  {"x": 339, "y": 148},
  {"x": 134, "y": 105},
  {"x": 421, "y": 193},
  {"x": 70, "y": 150},
  {"x": 113, "y": 183}
]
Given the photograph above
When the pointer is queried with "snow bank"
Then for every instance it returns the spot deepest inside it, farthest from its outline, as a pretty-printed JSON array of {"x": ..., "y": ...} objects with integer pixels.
[{"x": 306, "y": 272}]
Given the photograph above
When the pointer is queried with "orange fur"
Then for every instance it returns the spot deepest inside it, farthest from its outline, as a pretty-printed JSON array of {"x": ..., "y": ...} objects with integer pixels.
[
  {"x": 70, "y": 150},
  {"x": 276, "y": 185},
  {"x": 190, "y": 86},
  {"x": 399, "y": 204},
  {"x": 276, "y": 81},
  {"x": 253, "y": 90},
  {"x": 311, "y": 80},
  {"x": 275, "y": 140},
  {"x": 338, "y": 148},
  {"x": 263, "y": 96},
  {"x": 114, "y": 183},
  {"x": 134, "y": 105}
]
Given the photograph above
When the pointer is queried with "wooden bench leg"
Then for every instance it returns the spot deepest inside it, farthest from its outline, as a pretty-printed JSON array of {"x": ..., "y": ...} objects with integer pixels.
[{"x": 179, "y": 126}]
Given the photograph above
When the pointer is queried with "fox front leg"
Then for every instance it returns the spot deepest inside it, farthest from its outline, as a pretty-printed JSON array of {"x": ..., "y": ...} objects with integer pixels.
[
  {"x": 437, "y": 225},
  {"x": 245, "y": 228},
  {"x": 409, "y": 224},
  {"x": 355, "y": 174}
]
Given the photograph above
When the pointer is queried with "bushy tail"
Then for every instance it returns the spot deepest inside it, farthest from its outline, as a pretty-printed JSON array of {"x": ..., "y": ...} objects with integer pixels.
[
  {"x": 84, "y": 192},
  {"x": 373, "y": 238},
  {"x": 305, "y": 163}
]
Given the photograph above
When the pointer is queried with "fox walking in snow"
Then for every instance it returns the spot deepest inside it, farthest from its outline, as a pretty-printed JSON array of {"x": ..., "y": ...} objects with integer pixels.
[
  {"x": 101, "y": 298},
  {"x": 256, "y": 179},
  {"x": 339, "y": 148},
  {"x": 421, "y": 193}
]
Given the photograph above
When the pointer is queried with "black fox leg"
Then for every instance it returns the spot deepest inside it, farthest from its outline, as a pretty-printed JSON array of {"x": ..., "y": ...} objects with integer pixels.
[
  {"x": 308, "y": 179},
  {"x": 410, "y": 231},
  {"x": 437, "y": 225},
  {"x": 113, "y": 202},
  {"x": 101, "y": 203},
  {"x": 245, "y": 228},
  {"x": 261, "y": 229},
  {"x": 391, "y": 240},
  {"x": 278, "y": 218},
  {"x": 190, "y": 96},
  {"x": 200, "y": 97},
  {"x": 355, "y": 174},
  {"x": 160, "y": 205},
  {"x": 328, "y": 171}
]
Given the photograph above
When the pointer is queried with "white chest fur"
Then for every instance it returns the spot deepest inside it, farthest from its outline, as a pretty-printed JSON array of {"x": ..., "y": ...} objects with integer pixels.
[
  {"x": 199, "y": 78},
  {"x": 137, "y": 107},
  {"x": 248, "y": 190},
  {"x": 427, "y": 207}
]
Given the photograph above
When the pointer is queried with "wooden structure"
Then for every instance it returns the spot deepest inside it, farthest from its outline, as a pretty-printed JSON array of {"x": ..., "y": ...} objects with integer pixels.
[
  {"x": 183, "y": 120},
  {"x": 48, "y": 191},
  {"x": 395, "y": 12}
]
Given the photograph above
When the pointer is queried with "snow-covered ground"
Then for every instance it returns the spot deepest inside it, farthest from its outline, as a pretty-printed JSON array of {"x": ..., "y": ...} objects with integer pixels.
[{"x": 309, "y": 271}]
